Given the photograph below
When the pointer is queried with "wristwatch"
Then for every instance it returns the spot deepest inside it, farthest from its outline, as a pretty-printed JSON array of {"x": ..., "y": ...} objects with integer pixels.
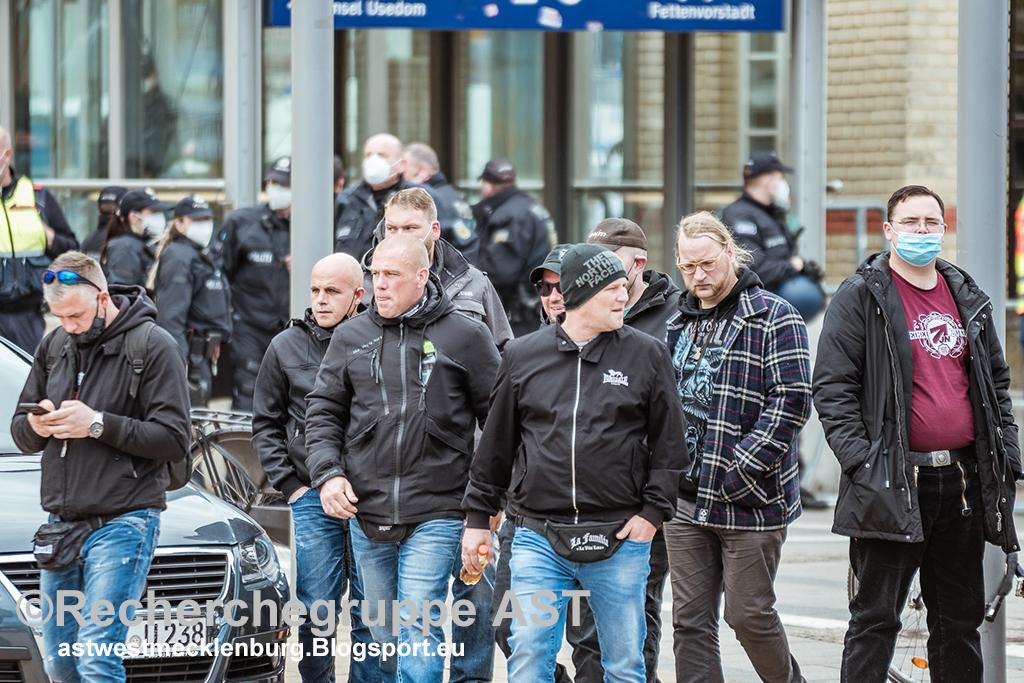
[{"x": 96, "y": 427}]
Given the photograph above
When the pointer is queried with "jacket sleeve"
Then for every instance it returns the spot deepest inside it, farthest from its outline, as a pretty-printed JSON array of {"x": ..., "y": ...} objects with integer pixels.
[
  {"x": 270, "y": 424},
  {"x": 173, "y": 297},
  {"x": 164, "y": 431},
  {"x": 122, "y": 264},
  {"x": 52, "y": 214},
  {"x": 494, "y": 315},
  {"x": 34, "y": 391},
  {"x": 327, "y": 412},
  {"x": 1001, "y": 382},
  {"x": 482, "y": 372},
  {"x": 491, "y": 470},
  {"x": 666, "y": 426},
  {"x": 772, "y": 271},
  {"x": 786, "y": 366},
  {"x": 838, "y": 378}
]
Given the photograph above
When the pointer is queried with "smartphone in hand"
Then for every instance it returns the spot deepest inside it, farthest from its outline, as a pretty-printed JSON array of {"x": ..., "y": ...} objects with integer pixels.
[{"x": 33, "y": 408}]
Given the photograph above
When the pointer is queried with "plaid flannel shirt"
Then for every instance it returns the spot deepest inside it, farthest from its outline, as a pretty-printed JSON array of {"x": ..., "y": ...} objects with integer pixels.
[{"x": 748, "y": 476}]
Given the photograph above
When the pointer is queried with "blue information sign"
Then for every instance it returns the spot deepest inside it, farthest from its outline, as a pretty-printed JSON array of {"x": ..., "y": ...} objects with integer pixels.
[{"x": 549, "y": 15}]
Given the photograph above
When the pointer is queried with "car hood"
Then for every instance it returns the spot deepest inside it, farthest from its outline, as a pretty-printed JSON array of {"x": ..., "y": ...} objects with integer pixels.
[{"x": 192, "y": 517}]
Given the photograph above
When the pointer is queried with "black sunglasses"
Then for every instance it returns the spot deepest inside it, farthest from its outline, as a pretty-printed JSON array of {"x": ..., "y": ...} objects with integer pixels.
[
  {"x": 545, "y": 288},
  {"x": 67, "y": 277}
]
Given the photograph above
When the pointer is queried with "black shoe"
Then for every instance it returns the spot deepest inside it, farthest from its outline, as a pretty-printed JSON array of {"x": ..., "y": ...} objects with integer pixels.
[{"x": 809, "y": 502}]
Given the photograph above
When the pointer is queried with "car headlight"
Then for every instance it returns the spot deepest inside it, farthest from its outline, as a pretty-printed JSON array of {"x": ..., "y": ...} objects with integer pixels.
[{"x": 259, "y": 561}]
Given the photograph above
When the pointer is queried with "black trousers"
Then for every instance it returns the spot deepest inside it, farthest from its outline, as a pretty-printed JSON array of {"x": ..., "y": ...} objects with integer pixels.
[
  {"x": 952, "y": 584},
  {"x": 24, "y": 328},
  {"x": 248, "y": 346}
]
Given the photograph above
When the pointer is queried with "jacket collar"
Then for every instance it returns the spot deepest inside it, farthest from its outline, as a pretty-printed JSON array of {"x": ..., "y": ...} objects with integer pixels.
[
  {"x": 594, "y": 349},
  {"x": 969, "y": 297}
]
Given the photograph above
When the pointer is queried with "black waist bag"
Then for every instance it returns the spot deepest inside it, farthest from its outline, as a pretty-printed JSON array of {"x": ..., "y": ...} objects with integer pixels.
[
  {"x": 58, "y": 544},
  {"x": 584, "y": 542},
  {"x": 386, "y": 533}
]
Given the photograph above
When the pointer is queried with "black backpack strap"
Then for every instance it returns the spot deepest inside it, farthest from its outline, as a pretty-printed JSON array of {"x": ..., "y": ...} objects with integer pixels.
[
  {"x": 55, "y": 345},
  {"x": 136, "y": 345}
]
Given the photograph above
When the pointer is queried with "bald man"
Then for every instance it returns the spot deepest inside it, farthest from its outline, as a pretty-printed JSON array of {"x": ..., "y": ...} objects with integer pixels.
[
  {"x": 383, "y": 171},
  {"x": 278, "y": 435},
  {"x": 40, "y": 233},
  {"x": 390, "y": 425}
]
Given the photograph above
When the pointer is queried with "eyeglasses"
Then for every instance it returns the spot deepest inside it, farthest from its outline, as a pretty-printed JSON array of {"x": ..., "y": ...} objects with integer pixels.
[
  {"x": 930, "y": 223},
  {"x": 67, "y": 277},
  {"x": 707, "y": 265},
  {"x": 545, "y": 288}
]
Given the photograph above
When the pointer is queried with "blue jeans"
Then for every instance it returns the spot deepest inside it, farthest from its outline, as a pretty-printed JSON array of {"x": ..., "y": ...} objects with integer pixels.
[
  {"x": 417, "y": 569},
  {"x": 477, "y": 663},
  {"x": 322, "y": 571},
  {"x": 805, "y": 296},
  {"x": 115, "y": 562},
  {"x": 617, "y": 593}
]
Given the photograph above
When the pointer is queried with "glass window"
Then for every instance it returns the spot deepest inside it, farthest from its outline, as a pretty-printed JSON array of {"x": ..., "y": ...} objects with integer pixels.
[
  {"x": 761, "y": 92},
  {"x": 173, "y": 52},
  {"x": 60, "y": 82},
  {"x": 277, "y": 94},
  {"x": 500, "y": 99},
  {"x": 387, "y": 87}
]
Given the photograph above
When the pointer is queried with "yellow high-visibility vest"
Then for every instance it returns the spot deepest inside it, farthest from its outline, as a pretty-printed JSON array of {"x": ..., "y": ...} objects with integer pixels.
[{"x": 26, "y": 225}]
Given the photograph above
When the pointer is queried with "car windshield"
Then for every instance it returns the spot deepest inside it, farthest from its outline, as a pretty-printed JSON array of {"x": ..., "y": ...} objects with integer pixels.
[{"x": 13, "y": 371}]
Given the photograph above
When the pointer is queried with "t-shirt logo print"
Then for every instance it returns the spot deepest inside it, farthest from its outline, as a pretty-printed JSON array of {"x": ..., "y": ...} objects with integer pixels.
[
  {"x": 615, "y": 378},
  {"x": 940, "y": 334}
]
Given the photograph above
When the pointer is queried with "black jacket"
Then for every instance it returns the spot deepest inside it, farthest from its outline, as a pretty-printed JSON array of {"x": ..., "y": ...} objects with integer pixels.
[
  {"x": 458, "y": 227},
  {"x": 126, "y": 468},
  {"x": 191, "y": 293},
  {"x": 762, "y": 230},
  {"x": 279, "y": 402},
  {"x": 405, "y": 446},
  {"x": 251, "y": 248},
  {"x": 357, "y": 219},
  {"x": 598, "y": 432},
  {"x": 516, "y": 233},
  {"x": 93, "y": 244},
  {"x": 127, "y": 260},
  {"x": 863, "y": 381},
  {"x": 658, "y": 303}
]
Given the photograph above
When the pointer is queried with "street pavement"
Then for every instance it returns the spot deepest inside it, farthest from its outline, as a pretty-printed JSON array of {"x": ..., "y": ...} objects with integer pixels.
[{"x": 811, "y": 586}]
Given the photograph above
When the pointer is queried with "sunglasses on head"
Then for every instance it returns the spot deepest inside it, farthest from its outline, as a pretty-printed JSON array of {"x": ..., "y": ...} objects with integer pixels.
[
  {"x": 67, "y": 277},
  {"x": 545, "y": 288}
]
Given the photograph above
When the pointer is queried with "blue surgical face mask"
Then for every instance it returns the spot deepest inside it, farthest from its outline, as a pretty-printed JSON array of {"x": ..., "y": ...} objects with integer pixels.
[{"x": 918, "y": 249}]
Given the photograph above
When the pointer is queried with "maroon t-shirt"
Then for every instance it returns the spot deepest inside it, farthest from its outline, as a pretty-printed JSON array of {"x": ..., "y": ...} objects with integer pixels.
[{"x": 941, "y": 416}]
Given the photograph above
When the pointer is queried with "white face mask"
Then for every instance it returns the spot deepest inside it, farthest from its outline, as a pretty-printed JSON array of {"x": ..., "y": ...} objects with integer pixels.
[
  {"x": 376, "y": 169},
  {"x": 780, "y": 195},
  {"x": 200, "y": 232},
  {"x": 153, "y": 223},
  {"x": 278, "y": 196}
]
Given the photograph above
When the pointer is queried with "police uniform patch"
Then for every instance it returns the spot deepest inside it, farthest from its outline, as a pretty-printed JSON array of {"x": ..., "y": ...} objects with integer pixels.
[
  {"x": 745, "y": 228},
  {"x": 463, "y": 232},
  {"x": 501, "y": 236},
  {"x": 343, "y": 232}
]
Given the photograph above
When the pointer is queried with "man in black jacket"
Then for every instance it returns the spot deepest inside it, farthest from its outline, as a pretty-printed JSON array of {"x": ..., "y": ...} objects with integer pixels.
[
  {"x": 32, "y": 225},
  {"x": 458, "y": 227},
  {"x": 587, "y": 408},
  {"x": 913, "y": 392},
  {"x": 253, "y": 248},
  {"x": 515, "y": 234},
  {"x": 322, "y": 548},
  {"x": 105, "y": 451},
  {"x": 390, "y": 425}
]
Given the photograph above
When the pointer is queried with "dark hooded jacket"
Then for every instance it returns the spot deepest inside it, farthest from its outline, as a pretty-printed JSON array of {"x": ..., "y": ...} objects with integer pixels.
[
  {"x": 279, "y": 403},
  {"x": 659, "y": 302},
  {"x": 395, "y": 407},
  {"x": 126, "y": 468},
  {"x": 863, "y": 384}
]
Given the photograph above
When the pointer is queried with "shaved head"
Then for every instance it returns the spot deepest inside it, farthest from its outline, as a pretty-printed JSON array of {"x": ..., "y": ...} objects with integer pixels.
[
  {"x": 335, "y": 289},
  {"x": 400, "y": 272},
  {"x": 340, "y": 266},
  {"x": 384, "y": 144},
  {"x": 406, "y": 248}
]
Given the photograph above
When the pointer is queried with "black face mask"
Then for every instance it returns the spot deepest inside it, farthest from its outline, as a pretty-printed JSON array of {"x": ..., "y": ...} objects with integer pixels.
[{"x": 94, "y": 331}]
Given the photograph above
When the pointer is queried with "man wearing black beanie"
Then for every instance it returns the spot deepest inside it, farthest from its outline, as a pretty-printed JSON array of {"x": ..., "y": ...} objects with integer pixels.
[{"x": 589, "y": 407}]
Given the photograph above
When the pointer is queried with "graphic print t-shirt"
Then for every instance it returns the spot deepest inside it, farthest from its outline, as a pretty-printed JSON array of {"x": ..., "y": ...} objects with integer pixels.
[{"x": 941, "y": 416}]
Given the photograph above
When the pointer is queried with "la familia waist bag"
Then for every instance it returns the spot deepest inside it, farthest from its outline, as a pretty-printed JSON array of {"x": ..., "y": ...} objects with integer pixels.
[{"x": 583, "y": 542}]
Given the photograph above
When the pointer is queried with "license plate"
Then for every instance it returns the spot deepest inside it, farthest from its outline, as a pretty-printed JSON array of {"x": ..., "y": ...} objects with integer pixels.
[{"x": 151, "y": 637}]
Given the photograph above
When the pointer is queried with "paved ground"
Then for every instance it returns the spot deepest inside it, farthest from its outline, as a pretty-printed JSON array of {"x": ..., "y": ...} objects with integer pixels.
[{"x": 812, "y": 600}]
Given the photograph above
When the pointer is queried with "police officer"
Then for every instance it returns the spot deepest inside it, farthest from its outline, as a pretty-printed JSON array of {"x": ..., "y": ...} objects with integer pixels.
[
  {"x": 32, "y": 225},
  {"x": 515, "y": 234},
  {"x": 453, "y": 211},
  {"x": 106, "y": 205},
  {"x": 191, "y": 294},
  {"x": 253, "y": 250},
  {"x": 126, "y": 256},
  {"x": 383, "y": 174}
]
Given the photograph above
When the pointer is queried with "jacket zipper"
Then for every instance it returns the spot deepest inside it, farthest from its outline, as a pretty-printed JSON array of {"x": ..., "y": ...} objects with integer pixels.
[
  {"x": 401, "y": 417},
  {"x": 575, "y": 411},
  {"x": 899, "y": 410}
]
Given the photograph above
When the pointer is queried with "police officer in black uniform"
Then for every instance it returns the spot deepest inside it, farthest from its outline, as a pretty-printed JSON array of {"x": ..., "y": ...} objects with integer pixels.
[
  {"x": 458, "y": 226},
  {"x": 191, "y": 294},
  {"x": 126, "y": 256},
  {"x": 516, "y": 234},
  {"x": 106, "y": 205},
  {"x": 253, "y": 250}
]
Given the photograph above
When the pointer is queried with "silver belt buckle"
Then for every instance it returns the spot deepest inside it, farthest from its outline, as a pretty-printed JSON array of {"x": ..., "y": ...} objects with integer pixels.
[{"x": 940, "y": 458}]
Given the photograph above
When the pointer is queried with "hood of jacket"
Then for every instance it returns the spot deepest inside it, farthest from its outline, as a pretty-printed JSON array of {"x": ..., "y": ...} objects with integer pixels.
[
  {"x": 660, "y": 289},
  {"x": 309, "y": 324},
  {"x": 134, "y": 307},
  {"x": 689, "y": 304}
]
